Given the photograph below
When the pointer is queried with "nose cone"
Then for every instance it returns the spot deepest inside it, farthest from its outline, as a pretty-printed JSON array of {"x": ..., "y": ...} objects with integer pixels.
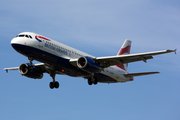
[
  {"x": 14, "y": 43},
  {"x": 13, "y": 40}
]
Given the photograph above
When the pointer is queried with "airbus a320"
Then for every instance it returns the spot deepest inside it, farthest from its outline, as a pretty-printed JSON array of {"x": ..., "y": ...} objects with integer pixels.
[{"x": 57, "y": 58}]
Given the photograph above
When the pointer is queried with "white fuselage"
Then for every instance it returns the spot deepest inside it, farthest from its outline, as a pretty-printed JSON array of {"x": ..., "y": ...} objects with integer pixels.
[{"x": 49, "y": 47}]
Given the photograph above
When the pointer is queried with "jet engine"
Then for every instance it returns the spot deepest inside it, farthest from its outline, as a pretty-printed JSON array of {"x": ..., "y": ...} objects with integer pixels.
[
  {"x": 30, "y": 71},
  {"x": 87, "y": 64}
]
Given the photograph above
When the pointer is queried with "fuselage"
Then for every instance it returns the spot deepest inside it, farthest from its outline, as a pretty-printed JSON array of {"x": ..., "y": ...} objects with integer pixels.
[{"x": 58, "y": 55}]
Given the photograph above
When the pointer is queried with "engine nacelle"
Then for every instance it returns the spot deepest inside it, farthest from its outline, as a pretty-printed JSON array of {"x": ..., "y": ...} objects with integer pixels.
[
  {"x": 30, "y": 71},
  {"x": 87, "y": 64}
]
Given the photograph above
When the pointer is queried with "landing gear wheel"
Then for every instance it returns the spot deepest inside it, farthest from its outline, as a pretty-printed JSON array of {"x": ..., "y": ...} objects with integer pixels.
[
  {"x": 95, "y": 81},
  {"x": 89, "y": 82},
  {"x": 56, "y": 84},
  {"x": 92, "y": 81},
  {"x": 51, "y": 85}
]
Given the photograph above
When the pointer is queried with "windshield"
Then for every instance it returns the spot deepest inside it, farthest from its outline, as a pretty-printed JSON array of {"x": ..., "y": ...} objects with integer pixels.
[{"x": 23, "y": 35}]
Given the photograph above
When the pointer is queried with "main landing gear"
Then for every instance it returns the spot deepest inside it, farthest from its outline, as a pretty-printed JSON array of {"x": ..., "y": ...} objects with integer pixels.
[
  {"x": 53, "y": 84},
  {"x": 92, "y": 81}
]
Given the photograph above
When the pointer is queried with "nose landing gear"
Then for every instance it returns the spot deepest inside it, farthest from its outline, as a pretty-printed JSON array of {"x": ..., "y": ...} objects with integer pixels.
[{"x": 53, "y": 84}]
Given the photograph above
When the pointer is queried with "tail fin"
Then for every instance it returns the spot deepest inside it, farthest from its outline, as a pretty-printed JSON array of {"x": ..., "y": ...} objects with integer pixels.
[{"x": 125, "y": 49}]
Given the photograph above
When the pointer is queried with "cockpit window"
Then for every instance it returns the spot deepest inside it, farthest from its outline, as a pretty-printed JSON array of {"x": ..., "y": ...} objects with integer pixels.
[
  {"x": 30, "y": 36},
  {"x": 21, "y": 35}
]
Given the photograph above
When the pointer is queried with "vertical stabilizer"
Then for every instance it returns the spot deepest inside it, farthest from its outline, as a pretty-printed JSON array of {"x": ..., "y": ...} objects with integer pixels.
[{"x": 125, "y": 49}]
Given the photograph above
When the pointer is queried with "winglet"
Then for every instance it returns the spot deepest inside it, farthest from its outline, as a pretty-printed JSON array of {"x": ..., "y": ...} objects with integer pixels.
[
  {"x": 172, "y": 51},
  {"x": 6, "y": 70},
  {"x": 175, "y": 51}
]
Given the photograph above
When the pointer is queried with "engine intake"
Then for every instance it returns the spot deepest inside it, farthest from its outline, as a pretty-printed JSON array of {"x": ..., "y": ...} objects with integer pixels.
[
  {"x": 87, "y": 64},
  {"x": 30, "y": 71}
]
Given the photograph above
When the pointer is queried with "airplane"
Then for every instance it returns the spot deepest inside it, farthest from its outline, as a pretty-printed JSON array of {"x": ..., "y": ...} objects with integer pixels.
[{"x": 58, "y": 58}]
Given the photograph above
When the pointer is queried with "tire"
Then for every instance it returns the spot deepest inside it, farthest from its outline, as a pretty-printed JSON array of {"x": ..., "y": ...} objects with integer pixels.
[
  {"x": 89, "y": 82},
  {"x": 95, "y": 81},
  {"x": 56, "y": 85},
  {"x": 51, "y": 85}
]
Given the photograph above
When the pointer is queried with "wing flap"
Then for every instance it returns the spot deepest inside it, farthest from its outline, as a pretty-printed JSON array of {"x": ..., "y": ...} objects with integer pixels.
[{"x": 139, "y": 74}]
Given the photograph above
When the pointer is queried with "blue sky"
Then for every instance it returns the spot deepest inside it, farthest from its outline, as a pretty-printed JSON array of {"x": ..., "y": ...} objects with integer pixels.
[{"x": 97, "y": 27}]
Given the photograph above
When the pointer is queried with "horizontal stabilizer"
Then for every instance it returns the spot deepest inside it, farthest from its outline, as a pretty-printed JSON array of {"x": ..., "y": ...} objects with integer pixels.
[{"x": 139, "y": 74}]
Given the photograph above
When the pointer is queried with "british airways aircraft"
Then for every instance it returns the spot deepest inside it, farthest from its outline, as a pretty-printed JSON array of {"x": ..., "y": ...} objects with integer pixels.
[{"x": 57, "y": 58}]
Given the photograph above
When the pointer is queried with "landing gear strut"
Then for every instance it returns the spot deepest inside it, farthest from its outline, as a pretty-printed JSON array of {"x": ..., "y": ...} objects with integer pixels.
[
  {"x": 30, "y": 60},
  {"x": 53, "y": 84}
]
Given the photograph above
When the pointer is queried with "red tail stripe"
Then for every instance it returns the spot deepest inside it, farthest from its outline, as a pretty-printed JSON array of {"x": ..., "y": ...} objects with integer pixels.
[{"x": 124, "y": 50}]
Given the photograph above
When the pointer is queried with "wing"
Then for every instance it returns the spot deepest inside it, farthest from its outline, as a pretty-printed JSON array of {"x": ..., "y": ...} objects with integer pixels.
[
  {"x": 121, "y": 59},
  {"x": 13, "y": 68},
  {"x": 44, "y": 68},
  {"x": 40, "y": 66}
]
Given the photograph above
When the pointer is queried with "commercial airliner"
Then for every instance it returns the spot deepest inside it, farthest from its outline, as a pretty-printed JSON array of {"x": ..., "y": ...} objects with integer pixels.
[{"x": 57, "y": 58}]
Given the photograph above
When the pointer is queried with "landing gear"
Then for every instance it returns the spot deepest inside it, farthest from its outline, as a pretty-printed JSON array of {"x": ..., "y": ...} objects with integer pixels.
[
  {"x": 92, "y": 81},
  {"x": 53, "y": 84},
  {"x": 89, "y": 82},
  {"x": 95, "y": 82},
  {"x": 30, "y": 60}
]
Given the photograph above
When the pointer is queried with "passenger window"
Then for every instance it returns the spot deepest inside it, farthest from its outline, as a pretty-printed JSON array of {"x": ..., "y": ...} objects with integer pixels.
[{"x": 27, "y": 36}]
